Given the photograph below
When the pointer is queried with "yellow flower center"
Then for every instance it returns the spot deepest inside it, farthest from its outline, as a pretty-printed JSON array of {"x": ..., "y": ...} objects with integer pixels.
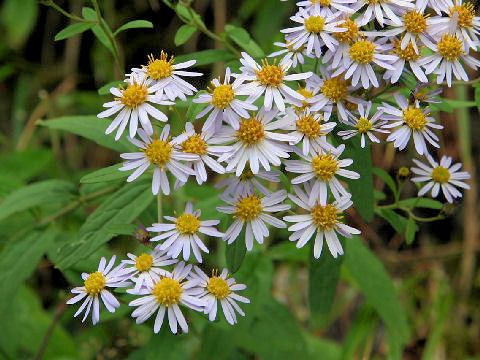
[
  {"x": 218, "y": 287},
  {"x": 246, "y": 174},
  {"x": 336, "y": 89},
  {"x": 364, "y": 125},
  {"x": 450, "y": 47},
  {"x": 325, "y": 217},
  {"x": 307, "y": 94},
  {"x": 248, "y": 208},
  {"x": 407, "y": 54},
  {"x": 144, "y": 262},
  {"x": 134, "y": 95},
  {"x": 270, "y": 75},
  {"x": 195, "y": 145},
  {"x": 160, "y": 68},
  {"x": 324, "y": 166},
  {"x": 309, "y": 126},
  {"x": 159, "y": 152},
  {"x": 250, "y": 131},
  {"x": 95, "y": 283},
  {"x": 167, "y": 291},
  {"x": 314, "y": 24},
  {"x": 350, "y": 35},
  {"x": 321, "y": 2},
  {"x": 187, "y": 224},
  {"x": 375, "y": 1},
  {"x": 222, "y": 96},
  {"x": 414, "y": 118},
  {"x": 440, "y": 175},
  {"x": 466, "y": 13},
  {"x": 404, "y": 172},
  {"x": 415, "y": 22},
  {"x": 362, "y": 51}
]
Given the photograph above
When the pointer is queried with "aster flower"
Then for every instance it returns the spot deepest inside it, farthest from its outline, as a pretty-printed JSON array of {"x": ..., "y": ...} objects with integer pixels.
[
  {"x": 269, "y": 80},
  {"x": 224, "y": 103},
  {"x": 220, "y": 288},
  {"x": 382, "y": 10},
  {"x": 445, "y": 60},
  {"x": 444, "y": 175},
  {"x": 297, "y": 55},
  {"x": 421, "y": 95},
  {"x": 163, "y": 154},
  {"x": 134, "y": 104},
  {"x": 247, "y": 182},
  {"x": 256, "y": 142},
  {"x": 182, "y": 234},
  {"x": 251, "y": 209},
  {"x": 165, "y": 296},
  {"x": 410, "y": 55},
  {"x": 325, "y": 219},
  {"x": 146, "y": 269},
  {"x": 327, "y": 8},
  {"x": 410, "y": 121},
  {"x": 321, "y": 169},
  {"x": 95, "y": 288},
  {"x": 362, "y": 55},
  {"x": 365, "y": 125},
  {"x": 166, "y": 76}
]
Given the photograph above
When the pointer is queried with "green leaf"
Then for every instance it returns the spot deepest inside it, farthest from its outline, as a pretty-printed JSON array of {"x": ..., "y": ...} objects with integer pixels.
[
  {"x": 410, "y": 230},
  {"x": 190, "y": 14},
  {"x": 134, "y": 24},
  {"x": 18, "y": 17},
  {"x": 206, "y": 57},
  {"x": 90, "y": 127},
  {"x": 184, "y": 33},
  {"x": 110, "y": 173},
  {"x": 193, "y": 110},
  {"x": 242, "y": 38},
  {"x": 362, "y": 327},
  {"x": 324, "y": 274},
  {"x": 105, "y": 89},
  {"x": 25, "y": 165},
  {"x": 377, "y": 287},
  {"x": 382, "y": 174},
  {"x": 90, "y": 14},
  {"x": 235, "y": 253},
  {"x": 397, "y": 221},
  {"x": 122, "y": 229},
  {"x": 287, "y": 250},
  {"x": 285, "y": 182},
  {"x": 73, "y": 30},
  {"x": 421, "y": 203},
  {"x": 43, "y": 192},
  {"x": 124, "y": 206}
]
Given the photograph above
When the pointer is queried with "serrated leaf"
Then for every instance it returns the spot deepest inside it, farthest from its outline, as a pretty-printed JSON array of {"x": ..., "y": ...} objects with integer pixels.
[
  {"x": 184, "y": 33},
  {"x": 36, "y": 194},
  {"x": 105, "y": 89},
  {"x": 242, "y": 38},
  {"x": 90, "y": 14},
  {"x": 410, "y": 230},
  {"x": 124, "y": 206},
  {"x": 382, "y": 174},
  {"x": 235, "y": 253},
  {"x": 377, "y": 287},
  {"x": 134, "y": 24},
  {"x": 206, "y": 57},
  {"x": 73, "y": 30},
  {"x": 110, "y": 173},
  {"x": 421, "y": 203},
  {"x": 90, "y": 127}
]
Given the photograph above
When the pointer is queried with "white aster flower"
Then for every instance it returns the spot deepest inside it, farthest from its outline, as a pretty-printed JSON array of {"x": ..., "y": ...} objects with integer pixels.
[
  {"x": 166, "y": 76},
  {"x": 163, "y": 154},
  {"x": 133, "y": 104},
  {"x": 257, "y": 143},
  {"x": 165, "y": 296},
  {"x": 224, "y": 103},
  {"x": 321, "y": 169},
  {"x": 247, "y": 182},
  {"x": 435, "y": 5},
  {"x": 327, "y": 7},
  {"x": 95, "y": 287},
  {"x": 295, "y": 54},
  {"x": 182, "y": 234},
  {"x": 269, "y": 80},
  {"x": 410, "y": 55},
  {"x": 410, "y": 121},
  {"x": 250, "y": 209},
  {"x": 444, "y": 175},
  {"x": 145, "y": 269},
  {"x": 220, "y": 288},
  {"x": 365, "y": 125},
  {"x": 382, "y": 10},
  {"x": 325, "y": 219}
]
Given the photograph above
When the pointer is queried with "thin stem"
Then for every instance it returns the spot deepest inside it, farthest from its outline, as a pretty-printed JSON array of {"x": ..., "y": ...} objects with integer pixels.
[
  {"x": 316, "y": 65},
  {"x": 58, "y": 314},
  {"x": 66, "y": 13},
  {"x": 159, "y": 206}
]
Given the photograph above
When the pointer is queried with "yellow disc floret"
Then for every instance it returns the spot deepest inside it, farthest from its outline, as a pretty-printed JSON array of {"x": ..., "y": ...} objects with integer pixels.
[
  {"x": 309, "y": 126},
  {"x": 348, "y": 36},
  {"x": 167, "y": 291},
  {"x": 440, "y": 175},
  {"x": 404, "y": 172},
  {"x": 134, "y": 95},
  {"x": 324, "y": 166},
  {"x": 407, "y": 54},
  {"x": 187, "y": 224},
  {"x": 247, "y": 174},
  {"x": 336, "y": 89},
  {"x": 218, "y": 287},
  {"x": 307, "y": 94},
  {"x": 415, "y": 22},
  {"x": 364, "y": 125},
  {"x": 321, "y": 2},
  {"x": 466, "y": 14},
  {"x": 160, "y": 68},
  {"x": 270, "y": 75},
  {"x": 415, "y": 118},
  {"x": 248, "y": 208},
  {"x": 362, "y": 51},
  {"x": 314, "y": 24},
  {"x": 144, "y": 262},
  {"x": 450, "y": 47},
  {"x": 251, "y": 131},
  {"x": 375, "y": 1},
  {"x": 325, "y": 217},
  {"x": 159, "y": 152},
  {"x": 195, "y": 144},
  {"x": 222, "y": 95},
  {"x": 94, "y": 283}
]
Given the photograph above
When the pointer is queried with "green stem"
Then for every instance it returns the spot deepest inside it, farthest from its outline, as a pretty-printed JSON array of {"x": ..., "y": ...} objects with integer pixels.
[
  {"x": 159, "y": 206},
  {"x": 66, "y": 13}
]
